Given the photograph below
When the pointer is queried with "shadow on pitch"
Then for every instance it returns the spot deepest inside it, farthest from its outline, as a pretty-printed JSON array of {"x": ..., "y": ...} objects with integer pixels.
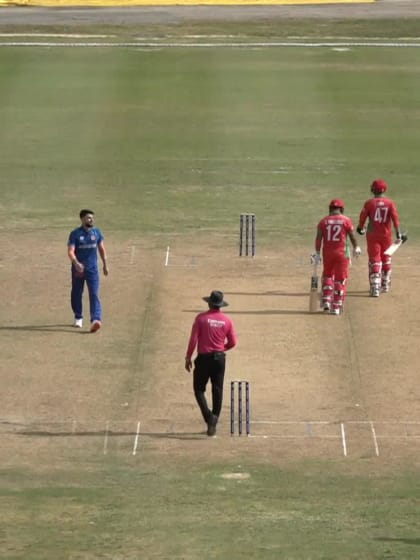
[
  {"x": 44, "y": 328},
  {"x": 351, "y": 293},
  {"x": 109, "y": 434},
  {"x": 260, "y": 312},
  {"x": 269, "y": 293}
]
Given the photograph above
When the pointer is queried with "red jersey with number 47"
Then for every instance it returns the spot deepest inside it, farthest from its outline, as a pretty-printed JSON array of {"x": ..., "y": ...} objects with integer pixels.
[
  {"x": 382, "y": 214},
  {"x": 333, "y": 233}
]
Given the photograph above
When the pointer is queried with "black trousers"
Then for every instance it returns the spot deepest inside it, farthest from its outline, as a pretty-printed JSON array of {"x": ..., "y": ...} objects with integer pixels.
[{"x": 209, "y": 367}]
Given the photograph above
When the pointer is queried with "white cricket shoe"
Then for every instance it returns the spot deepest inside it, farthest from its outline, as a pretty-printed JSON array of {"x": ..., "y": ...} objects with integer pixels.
[
  {"x": 336, "y": 311},
  {"x": 78, "y": 323}
]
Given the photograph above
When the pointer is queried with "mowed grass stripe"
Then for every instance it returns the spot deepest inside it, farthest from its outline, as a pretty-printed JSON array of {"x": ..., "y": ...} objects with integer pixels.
[{"x": 152, "y": 127}]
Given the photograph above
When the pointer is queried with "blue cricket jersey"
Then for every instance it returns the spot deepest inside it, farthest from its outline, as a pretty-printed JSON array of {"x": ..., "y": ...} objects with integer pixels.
[{"x": 86, "y": 243}]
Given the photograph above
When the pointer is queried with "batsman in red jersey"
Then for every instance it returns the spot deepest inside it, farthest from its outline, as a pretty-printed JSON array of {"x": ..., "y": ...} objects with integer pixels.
[
  {"x": 333, "y": 233},
  {"x": 381, "y": 213}
]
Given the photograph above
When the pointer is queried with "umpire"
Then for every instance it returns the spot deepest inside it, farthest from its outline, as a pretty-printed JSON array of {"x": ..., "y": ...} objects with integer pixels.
[{"x": 212, "y": 333}]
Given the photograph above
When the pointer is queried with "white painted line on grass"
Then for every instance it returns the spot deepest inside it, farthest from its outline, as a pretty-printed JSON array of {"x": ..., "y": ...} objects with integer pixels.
[
  {"x": 136, "y": 439},
  {"x": 182, "y": 265},
  {"x": 279, "y": 436},
  {"x": 343, "y": 439},
  {"x": 132, "y": 253},
  {"x": 167, "y": 256},
  {"x": 106, "y": 438},
  {"x": 59, "y": 35},
  {"x": 285, "y": 422},
  {"x": 216, "y": 45},
  {"x": 375, "y": 440},
  {"x": 384, "y": 422}
]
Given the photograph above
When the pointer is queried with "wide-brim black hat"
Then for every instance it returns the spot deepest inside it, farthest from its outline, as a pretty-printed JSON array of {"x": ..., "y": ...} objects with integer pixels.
[{"x": 216, "y": 299}]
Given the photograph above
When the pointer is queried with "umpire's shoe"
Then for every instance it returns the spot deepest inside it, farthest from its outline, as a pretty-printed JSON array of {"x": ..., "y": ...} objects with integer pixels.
[{"x": 211, "y": 425}]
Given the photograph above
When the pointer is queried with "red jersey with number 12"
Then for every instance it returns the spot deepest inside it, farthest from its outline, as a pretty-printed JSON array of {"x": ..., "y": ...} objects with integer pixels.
[
  {"x": 334, "y": 230},
  {"x": 382, "y": 213}
]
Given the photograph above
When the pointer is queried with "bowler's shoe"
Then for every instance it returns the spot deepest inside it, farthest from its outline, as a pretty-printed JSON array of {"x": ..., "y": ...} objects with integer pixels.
[{"x": 96, "y": 325}]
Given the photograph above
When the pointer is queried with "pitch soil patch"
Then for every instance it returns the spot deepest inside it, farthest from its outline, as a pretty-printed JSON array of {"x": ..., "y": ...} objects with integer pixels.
[{"x": 312, "y": 376}]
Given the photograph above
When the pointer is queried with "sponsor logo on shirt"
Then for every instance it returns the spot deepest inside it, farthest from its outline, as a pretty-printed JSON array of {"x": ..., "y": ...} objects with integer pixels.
[{"x": 215, "y": 323}]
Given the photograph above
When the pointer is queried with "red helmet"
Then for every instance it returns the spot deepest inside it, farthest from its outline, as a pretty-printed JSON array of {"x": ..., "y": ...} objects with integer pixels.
[
  {"x": 337, "y": 203},
  {"x": 378, "y": 186}
]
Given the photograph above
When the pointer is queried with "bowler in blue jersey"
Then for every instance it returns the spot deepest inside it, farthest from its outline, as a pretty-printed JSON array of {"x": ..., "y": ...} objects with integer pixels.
[{"x": 83, "y": 246}]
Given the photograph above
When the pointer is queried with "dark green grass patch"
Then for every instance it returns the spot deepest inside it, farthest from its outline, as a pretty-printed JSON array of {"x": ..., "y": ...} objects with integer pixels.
[{"x": 312, "y": 510}]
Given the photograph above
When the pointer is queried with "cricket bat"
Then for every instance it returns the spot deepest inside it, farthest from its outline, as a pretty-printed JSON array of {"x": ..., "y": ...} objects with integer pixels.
[
  {"x": 314, "y": 294},
  {"x": 396, "y": 245}
]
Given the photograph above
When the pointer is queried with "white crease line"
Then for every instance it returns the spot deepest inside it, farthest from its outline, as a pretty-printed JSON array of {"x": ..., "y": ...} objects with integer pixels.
[
  {"x": 278, "y": 436},
  {"x": 136, "y": 439},
  {"x": 106, "y": 438},
  {"x": 241, "y": 45},
  {"x": 285, "y": 422},
  {"x": 132, "y": 253},
  {"x": 343, "y": 439},
  {"x": 375, "y": 440},
  {"x": 167, "y": 256},
  {"x": 58, "y": 35}
]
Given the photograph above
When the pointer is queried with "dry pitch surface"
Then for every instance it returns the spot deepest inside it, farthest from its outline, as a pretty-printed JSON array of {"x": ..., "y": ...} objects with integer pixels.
[{"x": 320, "y": 385}]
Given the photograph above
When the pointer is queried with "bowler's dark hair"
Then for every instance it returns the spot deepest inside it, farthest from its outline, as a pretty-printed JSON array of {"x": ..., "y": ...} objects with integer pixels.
[{"x": 85, "y": 211}]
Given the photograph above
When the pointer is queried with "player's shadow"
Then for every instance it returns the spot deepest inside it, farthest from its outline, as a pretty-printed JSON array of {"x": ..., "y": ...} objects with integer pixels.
[
  {"x": 271, "y": 312},
  {"x": 263, "y": 311},
  {"x": 268, "y": 293},
  {"x": 43, "y": 328},
  {"x": 110, "y": 434},
  {"x": 260, "y": 311}
]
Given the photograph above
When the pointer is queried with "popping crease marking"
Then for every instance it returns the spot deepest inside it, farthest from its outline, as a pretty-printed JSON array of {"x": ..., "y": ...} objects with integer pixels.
[{"x": 262, "y": 44}]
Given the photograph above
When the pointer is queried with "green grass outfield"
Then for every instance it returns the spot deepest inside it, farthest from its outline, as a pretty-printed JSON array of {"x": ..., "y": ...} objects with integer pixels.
[
  {"x": 180, "y": 140},
  {"x": 122, "y": 510}
]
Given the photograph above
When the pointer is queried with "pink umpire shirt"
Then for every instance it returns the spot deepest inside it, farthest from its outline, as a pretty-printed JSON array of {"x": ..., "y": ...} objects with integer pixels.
[{"x": 212, "y": 331}]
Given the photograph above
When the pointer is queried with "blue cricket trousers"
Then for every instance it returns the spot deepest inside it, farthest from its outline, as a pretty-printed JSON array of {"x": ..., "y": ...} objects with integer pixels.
[{"x": 91, "y": 277}]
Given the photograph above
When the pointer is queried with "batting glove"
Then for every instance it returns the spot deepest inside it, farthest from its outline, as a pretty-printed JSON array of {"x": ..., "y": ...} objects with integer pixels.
[
  {"x": 316, "y": 258},
  {"x": 360, "y": 231},
  {"x": 357, "y": 251}
]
